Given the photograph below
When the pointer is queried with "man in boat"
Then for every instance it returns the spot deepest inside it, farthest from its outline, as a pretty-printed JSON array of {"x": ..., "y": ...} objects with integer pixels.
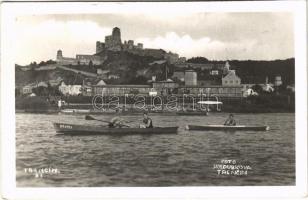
[
  {"x": 147, "y": 121},
  {"x": 230, "y": 121},
  {"x": 117, "y": 122}
]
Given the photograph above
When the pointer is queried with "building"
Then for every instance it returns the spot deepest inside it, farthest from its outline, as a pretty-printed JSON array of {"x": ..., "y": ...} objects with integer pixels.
[
  {"x": 249, "y": 92},
  {"x": 25, "y": 68},
  {"x": 121, "y": 90},
  {"x": 139, "y": 46},
  {"x": 113, "y": 42},
  {"x": 65, "y": 60},
  {"x": 42, "y": 84},
  {"x": 113, "y": 76},
  {"x": 205, "y": 66},
  {"x": 165, "y": 87},
  {"x": 72, "y": 90},
  {"x": 80, "y": 59},
  {"x": 55, "y": 82},
  {"x": 278, "y": 81},
  {"x": 190, "y": 78},
  {"x": 101, "y": 83},
  {"x": 100, "y": 46},
  {"x": 231, "y": 79},
  {"x": 103, "y": 74},
  {"x": 214, "y": 72},
  {"x": 267, "y": 87},
  {"x": 212, "y": 90},
  {"x": 86, "y": 59},
  {"x": 28, "y": 88}
]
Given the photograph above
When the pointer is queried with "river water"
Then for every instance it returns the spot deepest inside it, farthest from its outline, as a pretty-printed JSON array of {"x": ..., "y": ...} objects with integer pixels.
[{"x": 184, "y": 159}]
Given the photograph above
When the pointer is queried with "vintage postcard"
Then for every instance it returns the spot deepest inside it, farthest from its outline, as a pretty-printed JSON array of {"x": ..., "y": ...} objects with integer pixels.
[{"x": 178, "y": 100}]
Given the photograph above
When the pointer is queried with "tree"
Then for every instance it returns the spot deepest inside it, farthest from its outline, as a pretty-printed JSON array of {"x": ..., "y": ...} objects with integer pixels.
[{"x": 139, "y": 80}]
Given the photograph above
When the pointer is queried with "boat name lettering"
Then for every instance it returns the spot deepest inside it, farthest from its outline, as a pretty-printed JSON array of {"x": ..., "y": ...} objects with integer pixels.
[{"x": 66, "y": 126}]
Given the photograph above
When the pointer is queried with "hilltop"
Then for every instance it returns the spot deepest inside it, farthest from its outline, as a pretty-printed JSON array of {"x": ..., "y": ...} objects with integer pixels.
[{"x": 132, "y": 68}]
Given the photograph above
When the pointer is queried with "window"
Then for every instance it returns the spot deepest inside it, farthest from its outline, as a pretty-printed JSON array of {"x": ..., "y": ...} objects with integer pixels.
[
  {"x": 226, "y": 82},
  {"x": 231, "y": 82}
]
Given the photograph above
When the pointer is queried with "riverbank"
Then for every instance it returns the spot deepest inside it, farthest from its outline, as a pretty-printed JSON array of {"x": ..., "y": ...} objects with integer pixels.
[
  {"x": 225, "y": 109},
  {"x": 259, "y": 104}
]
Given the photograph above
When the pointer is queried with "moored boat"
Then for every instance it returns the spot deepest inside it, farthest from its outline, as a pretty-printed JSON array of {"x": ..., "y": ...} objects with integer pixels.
[
  {"x": 75, "y": 111},
  {"x": 74, "y": 129},
  {"x": 227, "y": 128},
  {"x": 192, "y": 113}
]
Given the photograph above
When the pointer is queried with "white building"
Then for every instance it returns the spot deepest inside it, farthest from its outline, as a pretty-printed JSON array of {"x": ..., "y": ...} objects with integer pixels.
[
  {"x": 190, "y": 78},
  {"x": 249, "y": 92},
  {"x": 72, "y": 90},
  {"x": 27, "y": 89},
  {"x": 42, "y": 84},
  {"x": 278, "y": 81},
  {"x": 231, "y": 79},
  {"x": 267, "y": 87}
]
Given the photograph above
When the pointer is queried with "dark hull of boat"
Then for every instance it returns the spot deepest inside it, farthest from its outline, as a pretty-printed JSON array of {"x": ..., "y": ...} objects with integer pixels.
[
  {"x": 73, "y": 129},
  {"x": 226, "y": 128}
]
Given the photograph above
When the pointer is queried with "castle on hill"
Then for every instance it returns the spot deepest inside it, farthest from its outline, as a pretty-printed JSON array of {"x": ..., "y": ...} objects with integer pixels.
[{"x": 114, "y": 43}]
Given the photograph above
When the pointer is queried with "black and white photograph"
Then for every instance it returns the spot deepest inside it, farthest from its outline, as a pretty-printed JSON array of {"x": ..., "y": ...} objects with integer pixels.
[{"x": 157, "y": 95}]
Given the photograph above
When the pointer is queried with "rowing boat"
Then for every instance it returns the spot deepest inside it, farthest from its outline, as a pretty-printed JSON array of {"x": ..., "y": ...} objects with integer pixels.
[
  {"x": 74, "y": 129},
  {"x": 227, "y": 128}
]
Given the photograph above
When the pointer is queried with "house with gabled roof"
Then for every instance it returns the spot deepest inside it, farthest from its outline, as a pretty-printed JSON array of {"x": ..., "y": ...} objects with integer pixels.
[{"x": 231, "y": 79}]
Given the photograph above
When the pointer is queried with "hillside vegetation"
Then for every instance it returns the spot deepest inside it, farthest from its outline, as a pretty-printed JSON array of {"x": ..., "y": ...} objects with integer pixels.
[{"x": 135, "y": 69}]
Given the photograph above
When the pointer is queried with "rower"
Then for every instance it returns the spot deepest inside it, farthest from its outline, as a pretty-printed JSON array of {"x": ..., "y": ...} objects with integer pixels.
[
  {"x": 147, "y": 121},
  {"x": 230, "y": 121}
]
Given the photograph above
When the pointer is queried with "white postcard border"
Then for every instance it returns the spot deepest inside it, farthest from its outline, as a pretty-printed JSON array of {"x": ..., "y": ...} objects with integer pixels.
[{"x": 9, "y": 190}]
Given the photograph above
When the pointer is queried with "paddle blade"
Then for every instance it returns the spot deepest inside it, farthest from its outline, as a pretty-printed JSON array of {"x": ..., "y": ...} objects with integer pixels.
[{"x": 88, "y": 117}]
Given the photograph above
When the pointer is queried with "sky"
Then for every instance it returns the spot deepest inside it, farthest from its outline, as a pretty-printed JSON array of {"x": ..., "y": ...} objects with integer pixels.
[{"x": 216, "y": 36}]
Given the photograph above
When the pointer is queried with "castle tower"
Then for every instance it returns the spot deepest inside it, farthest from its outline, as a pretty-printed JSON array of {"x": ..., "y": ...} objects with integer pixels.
[
  {"x": 116, "y": 32},
  {"x": 99, "y": 46},
  {"x": 59, "y": 54},
  {"x": 113, "y": 42}
]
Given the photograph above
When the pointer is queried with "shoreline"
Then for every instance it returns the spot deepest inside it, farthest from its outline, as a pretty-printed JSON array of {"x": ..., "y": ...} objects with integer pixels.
[{"x": 97, "y": 112}]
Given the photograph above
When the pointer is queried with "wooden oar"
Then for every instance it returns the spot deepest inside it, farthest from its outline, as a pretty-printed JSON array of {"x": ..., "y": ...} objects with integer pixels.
[{"x": 88, "y": 117}]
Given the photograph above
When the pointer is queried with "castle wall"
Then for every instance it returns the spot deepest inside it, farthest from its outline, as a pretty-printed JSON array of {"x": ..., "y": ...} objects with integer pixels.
[
  {"x": 85, "y": 59},
  {"x": 100, "y": 46}
]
